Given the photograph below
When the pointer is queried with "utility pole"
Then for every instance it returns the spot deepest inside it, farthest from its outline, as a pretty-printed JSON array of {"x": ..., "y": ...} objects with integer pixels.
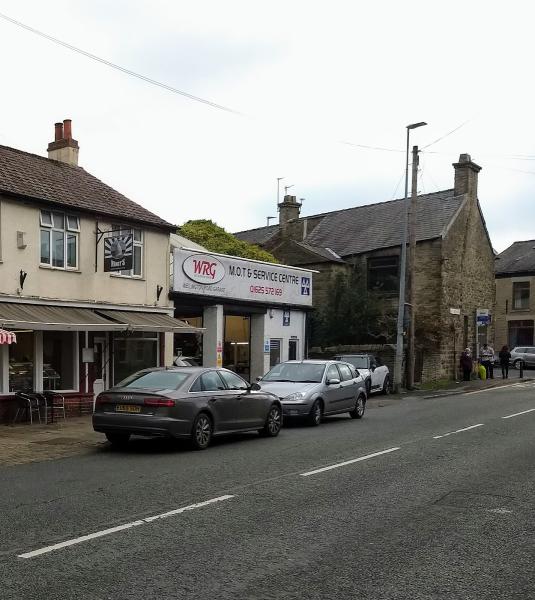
[
  {"x": 411, "y": 355},
  {"x": 398, "y": 363}
]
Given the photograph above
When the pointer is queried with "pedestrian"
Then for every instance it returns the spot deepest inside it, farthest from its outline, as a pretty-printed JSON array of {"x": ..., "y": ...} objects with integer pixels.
[
  {"x": 466, "y": 363},
  {"x": 505, "y": 357},
  {"x": 486, "y": 357}
]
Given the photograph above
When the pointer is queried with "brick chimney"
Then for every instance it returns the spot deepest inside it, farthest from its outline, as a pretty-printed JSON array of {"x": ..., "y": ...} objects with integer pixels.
[
  {"x": 466, "y": 173},
  {"x": 64, "y": 148},
  {"x": 289, "y": 209}
]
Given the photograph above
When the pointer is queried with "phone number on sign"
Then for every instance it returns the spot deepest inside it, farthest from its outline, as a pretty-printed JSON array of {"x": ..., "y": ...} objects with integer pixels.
[{"x": 270, "y": 291}]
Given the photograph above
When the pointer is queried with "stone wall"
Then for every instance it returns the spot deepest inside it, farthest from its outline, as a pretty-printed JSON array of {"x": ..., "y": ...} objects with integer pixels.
[
  {"x": 467, "y": 283},
  {"x": 504, "y": 311}
]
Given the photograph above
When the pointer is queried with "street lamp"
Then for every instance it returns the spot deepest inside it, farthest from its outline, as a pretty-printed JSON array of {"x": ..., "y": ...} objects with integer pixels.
[{"x": 398, "y": 364}]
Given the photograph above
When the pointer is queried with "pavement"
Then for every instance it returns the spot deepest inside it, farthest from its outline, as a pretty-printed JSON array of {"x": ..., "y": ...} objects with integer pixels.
[{"x": 422, "y": 499}]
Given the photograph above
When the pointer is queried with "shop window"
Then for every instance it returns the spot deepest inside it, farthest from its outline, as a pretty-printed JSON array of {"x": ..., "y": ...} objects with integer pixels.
[
  {"x": 21, "y": 362},
  {"x": 137, "y": 234},
  {"x": 131, "y": 354},
  {"x": 59, "y": 356},
  {"x": 521, "y": 295},
  {"x": 59, "y": 240},
  {"x": 383, "y": 274},
  {"x": 520, "y": 333},
  {"x": 274, "y": 352}
]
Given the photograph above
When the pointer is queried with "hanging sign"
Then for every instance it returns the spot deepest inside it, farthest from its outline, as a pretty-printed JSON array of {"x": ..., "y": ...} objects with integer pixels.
[
  {"x": 7, "y": 337},
  {"x": 118, "y": 253}
]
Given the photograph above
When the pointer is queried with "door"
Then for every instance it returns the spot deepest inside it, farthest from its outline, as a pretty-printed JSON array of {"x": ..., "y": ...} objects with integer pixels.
[
  {"x": 292, "y": 350},
  {"x": 529, "y": 357},
  {"x": 378, "y": 373},
  {"x": 334, "y": 394},
  {"x": 348, "y": 386},
  {"x": 101, "y": 364},
  {"x": 222, "y": 401},
  {"x": 251, "y": 408}
]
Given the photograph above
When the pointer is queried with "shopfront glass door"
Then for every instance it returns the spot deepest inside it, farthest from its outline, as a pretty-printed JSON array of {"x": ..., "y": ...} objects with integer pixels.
[{"x": 236, "y": 352}]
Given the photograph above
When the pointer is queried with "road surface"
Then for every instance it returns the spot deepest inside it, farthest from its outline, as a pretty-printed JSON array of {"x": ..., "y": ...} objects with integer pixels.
[{"x": 422, "y": 499}]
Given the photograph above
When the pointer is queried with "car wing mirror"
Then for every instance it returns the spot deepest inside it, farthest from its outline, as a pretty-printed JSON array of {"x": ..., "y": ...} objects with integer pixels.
[
  {"x": 333, "y": 381},
  {"x": 254, "y": 387},
  {"x": 259, "y": 378}
]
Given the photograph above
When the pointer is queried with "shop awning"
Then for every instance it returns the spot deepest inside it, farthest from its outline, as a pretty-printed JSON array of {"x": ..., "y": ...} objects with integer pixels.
[
  {"x": 63, "y": 318},
  {"x": 7, "y": 337},
  {"x": 145, "y": 321}
]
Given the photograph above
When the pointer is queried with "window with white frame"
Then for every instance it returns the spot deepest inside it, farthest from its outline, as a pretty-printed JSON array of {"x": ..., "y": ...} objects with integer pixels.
[
  {"x": 137, "y": 262},
  {"x": 59, "y": 239}
]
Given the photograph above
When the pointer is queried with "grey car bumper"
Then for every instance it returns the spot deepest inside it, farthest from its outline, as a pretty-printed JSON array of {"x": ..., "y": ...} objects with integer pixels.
[
  {"x": 141, "y": 425},
  {"x": 296, "y": 409}
]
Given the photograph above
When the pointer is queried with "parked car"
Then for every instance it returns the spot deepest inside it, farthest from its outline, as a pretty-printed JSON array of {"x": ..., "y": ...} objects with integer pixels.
[
  {"x": 312, "y": 389},
  {"x": 192, "y": 403},
  {"x": 376, "y": 374},
  {"x": 525, "y": 353}
]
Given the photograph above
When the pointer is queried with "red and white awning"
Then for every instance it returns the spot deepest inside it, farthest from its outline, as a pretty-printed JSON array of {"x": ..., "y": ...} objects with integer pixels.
[{"x": 7, "y": 337}]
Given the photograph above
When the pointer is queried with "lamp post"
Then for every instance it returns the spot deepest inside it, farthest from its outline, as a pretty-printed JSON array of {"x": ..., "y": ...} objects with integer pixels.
[{"x": 398, "y": 364}]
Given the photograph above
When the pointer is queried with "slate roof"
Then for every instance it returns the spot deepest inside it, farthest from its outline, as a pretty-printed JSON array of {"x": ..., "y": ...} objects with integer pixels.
[
  {"x": 518, "y": 258},
  {"x": 50, "y": 181},
  {"x": 372, "y": 226},
  {"x": 324, "y": 253}
]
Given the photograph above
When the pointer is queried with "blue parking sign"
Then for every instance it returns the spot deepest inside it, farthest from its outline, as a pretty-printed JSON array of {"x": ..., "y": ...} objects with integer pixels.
[{"x": 305, "y": 286}]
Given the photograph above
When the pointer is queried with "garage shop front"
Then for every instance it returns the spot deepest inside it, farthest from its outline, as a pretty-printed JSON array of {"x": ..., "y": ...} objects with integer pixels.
[{"x": 254, "y": 313}]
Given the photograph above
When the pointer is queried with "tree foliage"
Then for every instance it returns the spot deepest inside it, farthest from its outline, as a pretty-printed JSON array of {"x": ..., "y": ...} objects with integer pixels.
[
  {"x": 351, "y": 314},
  {"x": 216, "y": 239}
]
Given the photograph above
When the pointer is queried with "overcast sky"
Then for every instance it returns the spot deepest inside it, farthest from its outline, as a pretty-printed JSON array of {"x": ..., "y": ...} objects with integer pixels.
[{"x": 306, "y": 75}]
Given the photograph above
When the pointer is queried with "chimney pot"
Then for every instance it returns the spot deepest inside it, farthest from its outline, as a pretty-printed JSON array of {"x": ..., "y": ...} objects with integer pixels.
[
  {"x": 67, "y": 129},
  {"x": 58, "y": 131}
]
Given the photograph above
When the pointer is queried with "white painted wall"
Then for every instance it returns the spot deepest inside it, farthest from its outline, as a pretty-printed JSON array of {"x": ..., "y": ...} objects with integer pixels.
[
  {"x": 84, "y": 284},
  {"x": 276, "y": 330}
]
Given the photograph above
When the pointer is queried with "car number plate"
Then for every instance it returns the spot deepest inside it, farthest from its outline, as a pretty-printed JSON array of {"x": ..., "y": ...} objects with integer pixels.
[{"x": 129, "y": 408}]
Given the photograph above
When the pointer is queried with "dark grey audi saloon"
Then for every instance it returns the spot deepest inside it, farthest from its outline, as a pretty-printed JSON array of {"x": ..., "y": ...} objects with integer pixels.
[{"x": 192, "y": 403}]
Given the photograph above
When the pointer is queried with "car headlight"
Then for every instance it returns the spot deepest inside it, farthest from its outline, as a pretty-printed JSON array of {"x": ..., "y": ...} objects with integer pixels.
[{"x": 295, "y": 396}]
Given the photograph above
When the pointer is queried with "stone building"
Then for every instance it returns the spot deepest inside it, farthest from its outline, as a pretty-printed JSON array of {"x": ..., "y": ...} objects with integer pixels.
[
  {"x": 514, "y": 314},
  {"x": 454, "y": 261}
]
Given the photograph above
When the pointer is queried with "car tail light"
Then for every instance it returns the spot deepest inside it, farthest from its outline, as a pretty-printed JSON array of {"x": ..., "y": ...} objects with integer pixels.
[
  {"x": 102, "y": 399},
  {"x": 158, "y": 402}
]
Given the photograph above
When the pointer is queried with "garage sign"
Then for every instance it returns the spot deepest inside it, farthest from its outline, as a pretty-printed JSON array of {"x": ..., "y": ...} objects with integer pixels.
[{"x": 221, "y": 276}]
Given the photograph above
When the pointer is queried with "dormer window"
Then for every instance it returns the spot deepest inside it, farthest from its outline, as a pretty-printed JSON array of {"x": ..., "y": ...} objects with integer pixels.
[{"x": 59, "y": 239}]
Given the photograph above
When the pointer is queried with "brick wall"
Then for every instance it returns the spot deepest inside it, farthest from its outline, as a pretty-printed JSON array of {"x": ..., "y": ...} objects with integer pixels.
[{"x": 76, "y": 405}]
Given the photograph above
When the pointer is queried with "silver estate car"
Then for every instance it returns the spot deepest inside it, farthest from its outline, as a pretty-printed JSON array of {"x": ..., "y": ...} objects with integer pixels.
[
  {"x": 312, "y": 389},
  {"x": 192, "y": 403}
]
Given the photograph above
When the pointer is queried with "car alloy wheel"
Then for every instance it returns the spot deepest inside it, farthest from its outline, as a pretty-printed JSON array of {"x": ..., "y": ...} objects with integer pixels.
[
  {"x": 273, "y": 422},
  {"x": 202, "y": 431},
  {"x": 314, "y": 418},
  {"x": 360, "y": 407}
]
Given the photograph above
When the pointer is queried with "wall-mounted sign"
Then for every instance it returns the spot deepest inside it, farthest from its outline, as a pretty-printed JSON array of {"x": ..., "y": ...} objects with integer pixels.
[
  {"x": 220, "y": 276},
  {"x": 267, "y": 346},
  {"x": 455, "y": 311},
  {"x": 285, "y": 318},
  {"x": 482, "y": 317},
  {"x": 118, "y": 253}
]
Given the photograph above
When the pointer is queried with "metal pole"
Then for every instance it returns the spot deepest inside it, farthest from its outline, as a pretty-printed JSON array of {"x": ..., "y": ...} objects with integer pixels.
[
  {"x": 412, "y": 271},
  {"x": 398, "y": 363}
]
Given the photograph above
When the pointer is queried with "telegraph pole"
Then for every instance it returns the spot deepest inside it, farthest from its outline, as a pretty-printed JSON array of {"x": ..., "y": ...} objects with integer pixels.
[
  {"x": 398, "y": 362},
  {"x": 411, "y": 355}
]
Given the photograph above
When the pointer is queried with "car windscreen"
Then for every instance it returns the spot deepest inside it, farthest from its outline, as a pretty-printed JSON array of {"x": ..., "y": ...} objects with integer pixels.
[
  {"x": 296, "y": 373},
  {"x": 155, "y": 380},
  {"x": 359, "y": 362}
]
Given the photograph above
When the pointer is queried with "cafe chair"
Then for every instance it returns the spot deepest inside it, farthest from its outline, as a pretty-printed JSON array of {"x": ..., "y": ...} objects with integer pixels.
[
  {"x": 28, "y": 402},
  {"x": 53, "y": 402}
]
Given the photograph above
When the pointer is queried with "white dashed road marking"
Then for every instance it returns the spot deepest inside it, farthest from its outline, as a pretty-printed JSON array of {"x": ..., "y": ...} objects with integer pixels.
[
  {"x": 349, "y": 462},
  {"x": 436, "y": 437},
  {"x": 519, "y": 413},
  {"x": 98, "y": 534}
]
